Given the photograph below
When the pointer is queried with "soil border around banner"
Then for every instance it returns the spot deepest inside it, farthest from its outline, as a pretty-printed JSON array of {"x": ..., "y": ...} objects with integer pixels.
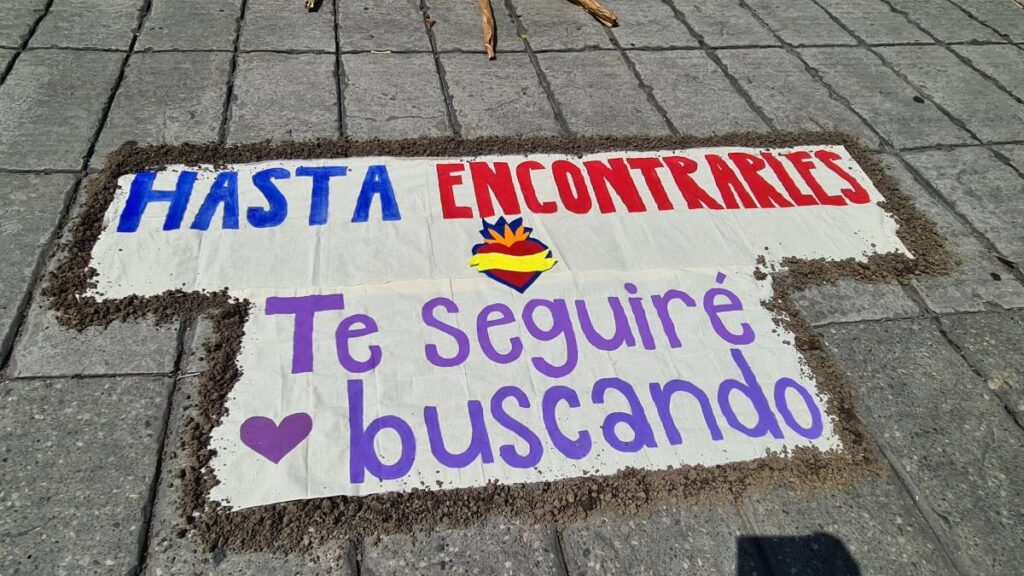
[{"x": 300, "y": 525}]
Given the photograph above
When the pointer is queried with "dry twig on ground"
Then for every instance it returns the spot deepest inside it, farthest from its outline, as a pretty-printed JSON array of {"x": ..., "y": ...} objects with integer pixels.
[
  {"x": 487, "y": 20},
  {"x": 595, "y": 9}
]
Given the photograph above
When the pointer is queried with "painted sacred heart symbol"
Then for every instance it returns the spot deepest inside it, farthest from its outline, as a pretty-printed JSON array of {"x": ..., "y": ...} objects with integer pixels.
[{"x": 510, "y": 255}]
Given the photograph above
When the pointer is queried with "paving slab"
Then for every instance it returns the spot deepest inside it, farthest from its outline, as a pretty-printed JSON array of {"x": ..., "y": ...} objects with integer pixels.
[
  {"x": 785, "y": 91},
  {"x": 19, "y": 16},
  {"x": 691, "y": 540},
  {"x": 854, "y": 301},
  {"x": 172, "y": 550},
  {"x": 1015, "y": 154},
  {"x": 193, "y": 353},
  {"x": 5, "y": 57},
  {"x": 496, "y": 546},
  {"x": 992, "y": 342},
  {"x": 502, "y": 97},
  {"x": 695, "y": 93},
  {"x": 986, "y": 191},
  {"x": 87, "y": 24},
  {"x": 405, "y": 103},
  {"x": 725, "y": 23},
  {"x": 938, "y": 422},
  {"x": 190, "y": 25},
  {"x": 874, "y": 520},
  {"x": 944, "y": 20},
  {"x": 981, "y": 282},
  {"x": 284, "y": 97},
  {"x": 167, "y": 98},
  {"x": 889, "y": 104},
  {"x": 47, "y": 349},
  {"x": 647, "y": 24},
  {"x": 81, "y": 458},
  {"x": 875, "y": 22},
  {"x": 801, "y": 22},
  {"x": 985, "y": 109},
  {"x": 559, "y": 25},
  {"x": 576, "y": 79},
  {"x": 184, "y": 557},
  {"x": 1003, "y": 62},
  {"x": 51, "y": 105},
  {"x": 1006, "y": 16},
  {"x": 29, "y": 215},
  {"x": 457, "y": 26},
  {"x": 271, "y": 25},
  {"x": 381, "y": 25}
]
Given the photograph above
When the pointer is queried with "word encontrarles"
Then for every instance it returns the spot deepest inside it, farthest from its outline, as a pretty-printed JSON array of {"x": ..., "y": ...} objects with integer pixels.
[
  {"x": 739, "y": 179},
  {"x": 635, "y": 322},
  {"x": 482, "y": 189}
]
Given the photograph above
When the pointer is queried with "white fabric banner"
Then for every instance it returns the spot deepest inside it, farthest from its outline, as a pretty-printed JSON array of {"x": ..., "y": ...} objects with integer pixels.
[{"x": 442, "y": 323}]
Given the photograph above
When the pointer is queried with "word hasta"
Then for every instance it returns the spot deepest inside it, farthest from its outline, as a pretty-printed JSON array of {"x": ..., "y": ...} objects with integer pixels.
[{"x": 223, "y": 196}]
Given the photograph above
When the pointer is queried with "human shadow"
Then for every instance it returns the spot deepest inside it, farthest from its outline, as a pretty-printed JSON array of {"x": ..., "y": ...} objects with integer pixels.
[{"x": 813, "y": 554}]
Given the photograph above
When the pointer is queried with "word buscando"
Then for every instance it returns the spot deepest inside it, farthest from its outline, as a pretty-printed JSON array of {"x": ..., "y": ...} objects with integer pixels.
[
  {"x": 627, "y": 431},
  {"x": 739, "y": 179}
]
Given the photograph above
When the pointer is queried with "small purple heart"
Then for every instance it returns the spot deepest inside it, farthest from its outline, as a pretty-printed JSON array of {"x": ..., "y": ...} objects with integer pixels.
[{"x": 275, "y": 441}]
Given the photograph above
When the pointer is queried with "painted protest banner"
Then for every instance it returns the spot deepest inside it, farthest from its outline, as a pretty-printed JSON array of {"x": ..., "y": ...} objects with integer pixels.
[{"x": 447, "y": 322}]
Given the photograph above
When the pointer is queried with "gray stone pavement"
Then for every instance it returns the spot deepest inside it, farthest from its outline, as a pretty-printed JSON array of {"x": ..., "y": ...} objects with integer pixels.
[{"x": 90, "y": 423}]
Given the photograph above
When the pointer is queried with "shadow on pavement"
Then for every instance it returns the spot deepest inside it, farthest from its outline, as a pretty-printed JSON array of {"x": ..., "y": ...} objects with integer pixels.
[{"x": 813, "y": 554}]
